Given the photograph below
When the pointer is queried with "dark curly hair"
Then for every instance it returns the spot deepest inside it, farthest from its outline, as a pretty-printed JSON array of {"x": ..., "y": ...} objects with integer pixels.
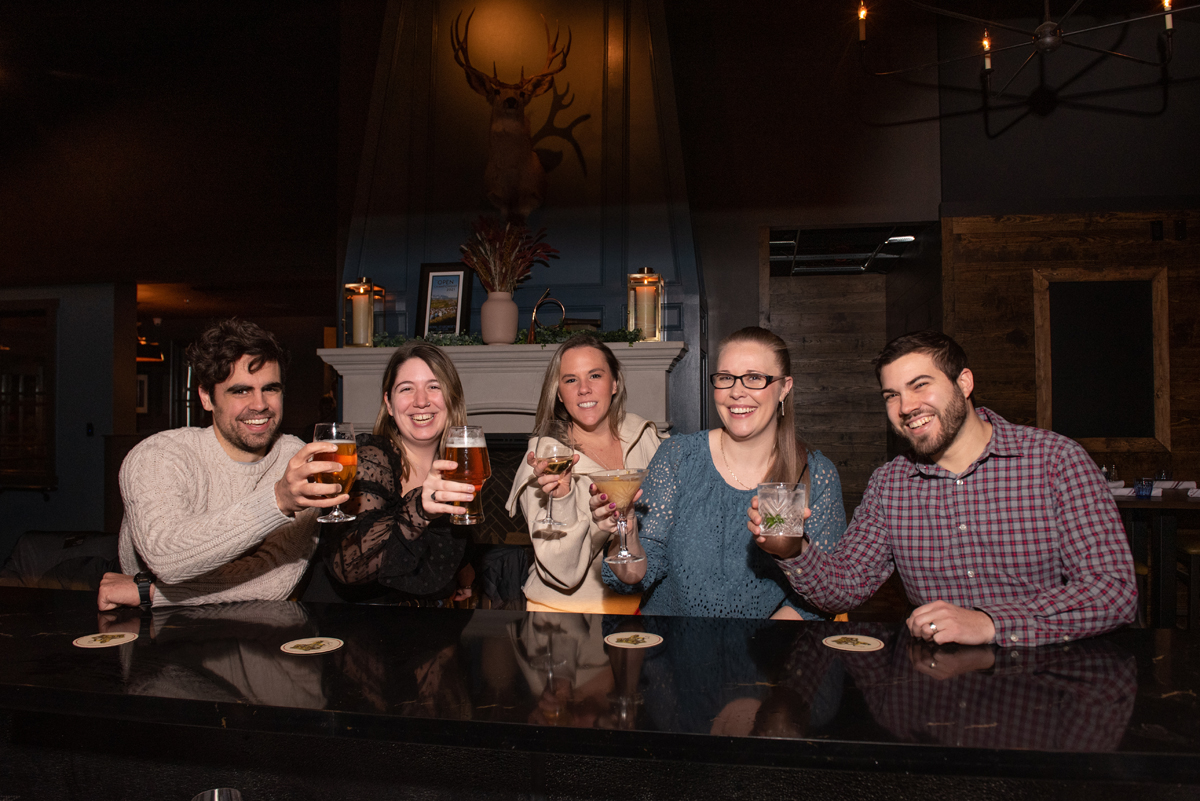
[{"x": 213, "y": 355}]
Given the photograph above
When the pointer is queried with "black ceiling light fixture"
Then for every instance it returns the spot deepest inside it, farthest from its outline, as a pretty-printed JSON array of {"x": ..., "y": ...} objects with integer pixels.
[
  {"x": 1040, "y": 42},
  {"x": 852, "y": 250}
]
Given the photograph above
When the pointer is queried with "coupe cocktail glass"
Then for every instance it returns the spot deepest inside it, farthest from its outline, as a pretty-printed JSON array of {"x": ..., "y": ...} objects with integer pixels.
[{"x": 620, "y": 486}]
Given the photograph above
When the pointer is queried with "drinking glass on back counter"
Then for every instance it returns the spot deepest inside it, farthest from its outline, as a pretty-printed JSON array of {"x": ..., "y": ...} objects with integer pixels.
[
  {"x": 467, "y": 446},
  {"x": 1145, "y": 488}
]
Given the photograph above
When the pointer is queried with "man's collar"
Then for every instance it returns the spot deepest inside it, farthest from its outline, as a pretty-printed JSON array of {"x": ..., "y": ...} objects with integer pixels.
[{"x": 1003, "y": 442}]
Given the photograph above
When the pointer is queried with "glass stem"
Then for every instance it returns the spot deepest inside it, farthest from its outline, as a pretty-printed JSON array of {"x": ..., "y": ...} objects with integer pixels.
[{"x": 621, "y": 532}]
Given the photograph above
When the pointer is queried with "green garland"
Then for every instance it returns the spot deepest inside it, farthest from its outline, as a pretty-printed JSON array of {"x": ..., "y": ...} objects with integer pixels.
[{"x": 545, "y": 336}]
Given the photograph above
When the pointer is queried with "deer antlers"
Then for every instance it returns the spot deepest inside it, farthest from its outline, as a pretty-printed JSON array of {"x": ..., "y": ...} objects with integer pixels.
[{"x": 480, "y": 81}]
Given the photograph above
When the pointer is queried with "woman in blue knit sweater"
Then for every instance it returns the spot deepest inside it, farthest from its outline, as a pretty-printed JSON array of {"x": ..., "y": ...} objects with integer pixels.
[{"x": 692, "y": 512}]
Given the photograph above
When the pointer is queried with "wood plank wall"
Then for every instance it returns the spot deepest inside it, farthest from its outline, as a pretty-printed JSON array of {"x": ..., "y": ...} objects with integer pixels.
[
  {"x": 988, "y": 265},
  {"x": 834, "y": 326}
]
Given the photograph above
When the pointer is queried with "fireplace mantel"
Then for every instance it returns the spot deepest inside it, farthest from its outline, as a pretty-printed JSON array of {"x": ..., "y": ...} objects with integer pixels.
[{"x": 502, "y": 382}]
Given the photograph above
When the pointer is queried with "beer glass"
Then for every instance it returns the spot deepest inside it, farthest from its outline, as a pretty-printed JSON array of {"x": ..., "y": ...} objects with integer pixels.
[
  {"x": 782, "y": 509},
  {"x": 620, "y": 486},
  {"x": 557, "y": 452},
  {"x": 342, "y": 435},
  {"x": 467, "y": 446}
]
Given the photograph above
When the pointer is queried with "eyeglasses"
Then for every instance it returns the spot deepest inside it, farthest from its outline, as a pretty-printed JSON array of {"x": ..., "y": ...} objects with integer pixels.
[{"x": 749, "y": 380}]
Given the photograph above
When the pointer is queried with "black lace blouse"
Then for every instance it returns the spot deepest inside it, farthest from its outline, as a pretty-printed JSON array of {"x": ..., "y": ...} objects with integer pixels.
[{"x": 391, "y": 541}]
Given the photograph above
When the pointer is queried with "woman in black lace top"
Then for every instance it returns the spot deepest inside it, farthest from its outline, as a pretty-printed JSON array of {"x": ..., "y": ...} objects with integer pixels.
[{"x": 402, "y": 537}]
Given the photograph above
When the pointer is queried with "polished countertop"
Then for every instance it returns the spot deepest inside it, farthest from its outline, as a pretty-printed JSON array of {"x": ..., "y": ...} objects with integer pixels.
[{"x": 1123, "y": 706}]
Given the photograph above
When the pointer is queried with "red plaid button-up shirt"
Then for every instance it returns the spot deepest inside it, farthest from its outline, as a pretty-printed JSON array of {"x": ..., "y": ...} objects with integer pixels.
[{"x": 1028, "y": 534}]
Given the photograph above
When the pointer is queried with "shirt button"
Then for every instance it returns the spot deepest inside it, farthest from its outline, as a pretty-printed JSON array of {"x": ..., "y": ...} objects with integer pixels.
[
  {"x": 1013, "y": 637},
  {"x": 959, "y": 482},
  {"x": 970, "y": 574},
  {"x": 962, "y": 526}
]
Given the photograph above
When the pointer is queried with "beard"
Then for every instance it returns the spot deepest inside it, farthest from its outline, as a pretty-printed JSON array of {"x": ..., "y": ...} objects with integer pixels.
[
  {"x": 253, "y": 443},
  {"x": 950, "y": 421}
]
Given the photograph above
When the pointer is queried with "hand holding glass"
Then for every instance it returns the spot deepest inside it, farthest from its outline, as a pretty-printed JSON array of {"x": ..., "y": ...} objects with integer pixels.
[
  {"x": 342, "y": 435},
  {"x": 467, "y": 446},
  {"x": 782, "y": 509},
  {"x": 558, "y": 457},
  {"x": 620, "y": 486}
]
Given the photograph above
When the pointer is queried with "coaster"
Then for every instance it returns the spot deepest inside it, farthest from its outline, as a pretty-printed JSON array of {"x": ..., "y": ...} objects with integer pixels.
[
  {"x": 104, "y": 640},
  {"x": 633, "y": 639},
  {"x": 853, "y": 642},
  {"x": 311, "y": 645}
]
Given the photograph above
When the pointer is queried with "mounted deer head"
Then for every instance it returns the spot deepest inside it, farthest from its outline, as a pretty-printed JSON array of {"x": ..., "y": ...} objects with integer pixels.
[{"x": 514, "y": 179}]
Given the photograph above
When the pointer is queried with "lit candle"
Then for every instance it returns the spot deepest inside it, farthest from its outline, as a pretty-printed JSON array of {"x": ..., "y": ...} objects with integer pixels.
[
  {"x": 362, "y": 318},
  {"x": 645, "y": 311},
  {"x": 987, "y": 51},
  {"x": 862, "y": 22},
  {"x": 1167, "y": 19}
]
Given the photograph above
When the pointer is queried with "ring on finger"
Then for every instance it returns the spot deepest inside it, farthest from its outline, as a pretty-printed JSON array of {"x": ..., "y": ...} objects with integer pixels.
[
  {"x": 433, "y": 496},
  {"x": 933, "y": 626}
]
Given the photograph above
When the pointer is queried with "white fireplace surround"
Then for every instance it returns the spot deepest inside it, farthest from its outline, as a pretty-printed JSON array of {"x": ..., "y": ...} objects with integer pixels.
[{"x": 502, "y": 382}]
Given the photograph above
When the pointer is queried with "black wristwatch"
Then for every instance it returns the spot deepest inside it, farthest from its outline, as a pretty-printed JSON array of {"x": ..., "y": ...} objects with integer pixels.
[{"x": 144, "y": 579}]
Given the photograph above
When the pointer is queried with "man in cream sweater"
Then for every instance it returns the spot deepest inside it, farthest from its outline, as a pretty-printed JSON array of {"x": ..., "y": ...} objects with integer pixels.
[{"x": 224, "y": 513}]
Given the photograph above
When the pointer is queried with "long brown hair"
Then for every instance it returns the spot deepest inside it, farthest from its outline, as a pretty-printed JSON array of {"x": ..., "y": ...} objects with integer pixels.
[
  {"x": 551, "y": 410},
  {"x": 789, "y": 460},
  {"x": 443, "y": 370}
]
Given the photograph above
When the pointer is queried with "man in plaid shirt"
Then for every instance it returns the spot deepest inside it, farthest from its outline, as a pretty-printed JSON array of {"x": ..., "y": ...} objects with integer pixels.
[{"x": 1001, "y": 533}]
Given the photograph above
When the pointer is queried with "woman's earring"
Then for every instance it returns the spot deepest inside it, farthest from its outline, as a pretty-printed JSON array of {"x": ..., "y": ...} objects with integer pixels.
[{"x": 781, "y": 407}]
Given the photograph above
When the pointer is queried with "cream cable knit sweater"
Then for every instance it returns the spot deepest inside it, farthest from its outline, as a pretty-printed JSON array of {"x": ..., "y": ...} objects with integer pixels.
[{"x": 209, "y": 527}]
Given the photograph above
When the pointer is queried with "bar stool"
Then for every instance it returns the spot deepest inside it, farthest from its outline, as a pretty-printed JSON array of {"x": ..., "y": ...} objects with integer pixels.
[{"x": 1188, "y": 549}]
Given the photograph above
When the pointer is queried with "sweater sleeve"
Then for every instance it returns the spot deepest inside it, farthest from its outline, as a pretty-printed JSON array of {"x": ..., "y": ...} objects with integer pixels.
[
  {"x": 560, "y": 559},
  {"x": 267, "y": 573},
  {"x": 159, "y": 485}
]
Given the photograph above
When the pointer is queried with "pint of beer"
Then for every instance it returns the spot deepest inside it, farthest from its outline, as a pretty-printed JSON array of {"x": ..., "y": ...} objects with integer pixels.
[{"x": 467, "y": 446}]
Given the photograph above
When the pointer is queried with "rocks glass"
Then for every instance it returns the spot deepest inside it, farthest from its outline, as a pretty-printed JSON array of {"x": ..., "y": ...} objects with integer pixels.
[{"x": 782, "y": 509}]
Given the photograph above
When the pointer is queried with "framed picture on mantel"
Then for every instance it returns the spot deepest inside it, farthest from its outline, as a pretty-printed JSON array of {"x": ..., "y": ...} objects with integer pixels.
[{"x": 445, "y": 303}]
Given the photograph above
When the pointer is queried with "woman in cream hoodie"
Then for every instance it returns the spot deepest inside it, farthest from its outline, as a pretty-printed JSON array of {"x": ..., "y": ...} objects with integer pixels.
[{"x": 583, "y": 393}]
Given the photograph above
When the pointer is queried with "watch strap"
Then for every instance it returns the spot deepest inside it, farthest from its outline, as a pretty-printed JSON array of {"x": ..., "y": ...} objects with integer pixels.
[{"x": 144, "y": 579}]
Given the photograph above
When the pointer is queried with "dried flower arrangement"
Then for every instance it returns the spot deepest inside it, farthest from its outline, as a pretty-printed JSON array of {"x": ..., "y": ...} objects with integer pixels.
[{"x": 503, "y": 255}]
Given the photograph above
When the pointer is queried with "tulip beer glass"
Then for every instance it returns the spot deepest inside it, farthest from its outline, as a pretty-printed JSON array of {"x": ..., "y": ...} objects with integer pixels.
[
  {"x": 467, "y": 446},
  {"x": 342, "y": 435}
]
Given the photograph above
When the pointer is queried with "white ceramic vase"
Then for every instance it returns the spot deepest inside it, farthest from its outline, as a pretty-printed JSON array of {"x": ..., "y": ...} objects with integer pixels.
[{"x": 498, "y": 319}]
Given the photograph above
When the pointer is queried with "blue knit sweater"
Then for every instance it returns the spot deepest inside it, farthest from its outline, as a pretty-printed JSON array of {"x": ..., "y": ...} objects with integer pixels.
[{"x": 700, "y": 557}]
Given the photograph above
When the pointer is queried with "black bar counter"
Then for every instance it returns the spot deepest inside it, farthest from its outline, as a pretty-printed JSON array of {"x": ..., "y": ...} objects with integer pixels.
[{"x": 206, "y": 692}]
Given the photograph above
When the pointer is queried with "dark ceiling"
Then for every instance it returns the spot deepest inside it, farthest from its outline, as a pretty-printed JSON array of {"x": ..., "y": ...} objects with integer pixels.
[{"x": 191, "y": 144}]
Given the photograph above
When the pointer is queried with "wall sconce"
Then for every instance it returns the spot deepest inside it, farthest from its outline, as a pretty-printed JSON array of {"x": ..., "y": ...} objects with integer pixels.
[
  {"x": 358, "y": 313},
  {"x": 645, "y": 304}
]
